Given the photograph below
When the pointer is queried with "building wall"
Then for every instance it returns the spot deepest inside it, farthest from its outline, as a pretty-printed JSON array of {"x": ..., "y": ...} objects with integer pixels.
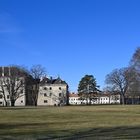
[
  {"x": 19, "y": 102},
  {"x": 52, "y": 94},
  {"x": 74, "y": 101},
  {"x": 18, "y": 78},
  {"x": 101, "y": 99}
]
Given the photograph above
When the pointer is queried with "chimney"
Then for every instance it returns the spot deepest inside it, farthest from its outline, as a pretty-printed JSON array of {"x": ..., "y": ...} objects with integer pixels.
[{"x": 2, "y": 71}]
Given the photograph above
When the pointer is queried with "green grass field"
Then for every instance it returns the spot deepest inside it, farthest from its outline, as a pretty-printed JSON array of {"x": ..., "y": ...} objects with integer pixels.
[{"x": 71, "y": 122}]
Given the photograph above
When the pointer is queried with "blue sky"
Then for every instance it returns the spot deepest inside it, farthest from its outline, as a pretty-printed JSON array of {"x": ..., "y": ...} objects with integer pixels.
[{"x": 70, "y": 38}]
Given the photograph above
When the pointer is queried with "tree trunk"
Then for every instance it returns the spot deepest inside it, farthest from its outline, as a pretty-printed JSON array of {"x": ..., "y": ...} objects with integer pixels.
[
  {"x": 123, "y": 99},
  {"x": 35, "y": 103},
  {"x": 6, "y": 104},
  {"x": 12, "y": 102},
  {"x": 132, "y": 100},
  {"x": 35, "y": 94},
  {"x": 86, "y": 101},
  {"x": 90, "y": 99}
]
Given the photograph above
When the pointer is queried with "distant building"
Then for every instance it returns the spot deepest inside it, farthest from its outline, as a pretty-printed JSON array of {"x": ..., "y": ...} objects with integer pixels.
[
  {"x": 74, "y": 99},
  {"x": 106, "y": 98},
  {"x": 53, "y": 92},
  {"x": 100, "y": 98}
]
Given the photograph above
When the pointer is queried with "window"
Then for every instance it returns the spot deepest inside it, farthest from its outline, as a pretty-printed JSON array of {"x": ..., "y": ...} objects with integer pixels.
[
  {"x": 45, "y": 101},
  {"x": 45, "y": 88},
  {"x": 59, "y": 88},
  {"x": 0, "y": 103},
  {"x": 21, "y": 101},
  {"x": 45, "y": 94},
  {"x": 8, "y": 96},
  {"x": 1, "y": 96},
  {"x": 59, "y": 94},
  {"x": 50, "y": 88}
]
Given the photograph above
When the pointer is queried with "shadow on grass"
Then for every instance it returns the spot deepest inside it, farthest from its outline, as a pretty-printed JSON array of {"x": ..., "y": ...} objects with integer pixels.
[
  {"x": 19, "y": 108},
  {"x": 18, "y": 126},
  {"x": 100, "y": 133},
  {"x": 108, "y": 133}
]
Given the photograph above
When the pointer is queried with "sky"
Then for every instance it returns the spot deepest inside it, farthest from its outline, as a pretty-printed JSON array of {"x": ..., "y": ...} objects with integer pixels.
[{"x": 70, "y": 38}]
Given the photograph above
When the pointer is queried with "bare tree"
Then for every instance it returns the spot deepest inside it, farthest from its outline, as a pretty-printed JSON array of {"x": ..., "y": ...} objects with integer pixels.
[
  {"x": 135, "y": 66},
  {"x": 2, "y": 91},
  {"x": 12, "y": 83},
  {"x": 135, "y": 61},
  {"x": 37, "y": 72},
  {"x": 117, "y": 80},
  {"x": 126, "y": 80}
]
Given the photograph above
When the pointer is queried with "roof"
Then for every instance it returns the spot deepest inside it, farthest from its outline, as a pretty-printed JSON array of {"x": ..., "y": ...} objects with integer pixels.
[{"x": 52, "y": 81}]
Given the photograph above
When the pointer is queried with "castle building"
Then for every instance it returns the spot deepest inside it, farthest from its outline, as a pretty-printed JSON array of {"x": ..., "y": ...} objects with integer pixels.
[{"x": 52, "y": 92}]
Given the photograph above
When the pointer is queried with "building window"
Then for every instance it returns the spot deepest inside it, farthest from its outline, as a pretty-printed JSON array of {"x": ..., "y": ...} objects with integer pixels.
[
  {"x": 0, "y": 103},
  {"x": 59, "y": 94},
  {"x": 50, "y": 88},
  {"x": 59, "y": 88},
  {"x": 45, "y": 88},
  {"x": 8, "y": 96},
  {"x": 45, "y": 101},
  {"x": 1, "y": 96},
  {"x": 21, "y": 101},
  {"x": 45, "y": 94}
]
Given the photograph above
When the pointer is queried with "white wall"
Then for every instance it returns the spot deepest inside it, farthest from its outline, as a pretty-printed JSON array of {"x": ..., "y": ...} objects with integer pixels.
[
  {"x": 19, "y": 102},
  {"x": 52, "y": 94},
  {"x": 74, "y": 100},
  {"x": 113, "y": 99}
]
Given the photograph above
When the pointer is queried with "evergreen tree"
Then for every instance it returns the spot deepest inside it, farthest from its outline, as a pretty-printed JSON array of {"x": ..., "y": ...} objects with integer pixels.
[{"x": 88, "y": 88}]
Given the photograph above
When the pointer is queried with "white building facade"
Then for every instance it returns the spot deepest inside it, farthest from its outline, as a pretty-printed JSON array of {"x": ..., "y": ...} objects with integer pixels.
[
  {"x": 74, "y": 99},
  {"x": 52, "y": 92},
  {"x": 21, "y": 101}
]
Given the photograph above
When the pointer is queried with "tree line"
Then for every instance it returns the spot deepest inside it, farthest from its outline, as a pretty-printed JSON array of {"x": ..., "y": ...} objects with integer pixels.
[{"x": 124, "y": 81}]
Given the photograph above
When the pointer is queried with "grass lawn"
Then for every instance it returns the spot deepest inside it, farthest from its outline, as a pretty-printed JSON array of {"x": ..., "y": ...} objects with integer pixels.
[{"x": 71, "y": 122}]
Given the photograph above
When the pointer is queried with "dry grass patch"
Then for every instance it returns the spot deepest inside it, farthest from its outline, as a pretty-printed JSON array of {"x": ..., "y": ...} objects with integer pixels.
[{"x": 104, "y": 122}]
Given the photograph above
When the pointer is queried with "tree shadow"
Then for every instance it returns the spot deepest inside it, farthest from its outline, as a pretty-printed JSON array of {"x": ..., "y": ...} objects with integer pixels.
[
  {"x": 99, "y": 133},
  {"x": 110, "y": 133}
]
